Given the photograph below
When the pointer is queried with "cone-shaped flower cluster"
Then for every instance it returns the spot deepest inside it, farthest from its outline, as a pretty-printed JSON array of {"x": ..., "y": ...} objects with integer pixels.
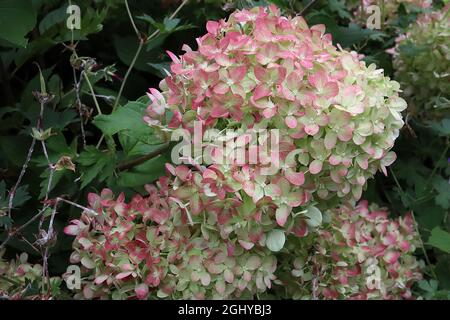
[
  {"x": 358, "y": 254},
  {"x": 422, "y": 61},
  {"x": 337, "y": 119}
]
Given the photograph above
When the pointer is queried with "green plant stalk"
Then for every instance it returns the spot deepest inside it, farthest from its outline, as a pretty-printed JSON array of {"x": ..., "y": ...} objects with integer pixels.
[
  {"x": 142, "y": 42},
  {"x": 436, "y": 167},
  {"x": 92, "y": 93},
  {"x": 427, "y": 259}
]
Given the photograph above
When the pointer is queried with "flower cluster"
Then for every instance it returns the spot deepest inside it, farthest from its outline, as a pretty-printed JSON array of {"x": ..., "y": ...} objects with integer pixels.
[
  {"x": 389, "y": 8},
  {"x": 358, "y": 254},
  {"x": 146, "y": 249},
  {"x": 422, "y": 60},
  {"x": 16, "y": 275},
  {"x": 337, "y": 118}
]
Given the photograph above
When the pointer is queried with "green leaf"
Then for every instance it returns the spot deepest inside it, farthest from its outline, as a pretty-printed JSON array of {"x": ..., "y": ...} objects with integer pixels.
[
  {"x": 442, "y": 187},
  {"x": 38, "y": 46},
  {"x": 53, "y": 18},
  {"x": 440, "y": 239},
  {"x": 20, "y": 197},
  {"x": 96, "y": 164},
  {"x": 248, "y": 207},
  {"x": 340, "y": 8},
  {"x": 442, "y": 128},
  {"x": 275, "y": 240},
  {"x": 429, "y": 286},
  {"x": 145, "y": 173},
  {"x": 17, "y": 18},
  {"x": 127, "y": 117}
]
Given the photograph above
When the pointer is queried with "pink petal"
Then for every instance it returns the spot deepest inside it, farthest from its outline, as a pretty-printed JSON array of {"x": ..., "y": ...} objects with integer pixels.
[
  {"x": 291, "y": 122},
  {"x": 71, "y": 230},
  {"x": 212, "y": 27},
  {"x": 331, "y": 89},
  {"x": 141, "y": 291},
  {"x": 296, "y": 178},
  {"x": 330, "y": 140},
  {"x": 269, "y": 112},
  {"x": 221, "y": 88},
  {"x": 261, "y": 91},
  {"x": 311, "y": 129},
  {"x": 282, "y": 214},
  {"x": 246, "y": 244},
  {"x": 260, "y": 73},
  {"x": 173, "y": 57},
  {"x": 218, "y": 111},
  {"x": 238, "y": 73},
  {"x": 391, "y": 256},
  {"x": 315, "y": 167}
]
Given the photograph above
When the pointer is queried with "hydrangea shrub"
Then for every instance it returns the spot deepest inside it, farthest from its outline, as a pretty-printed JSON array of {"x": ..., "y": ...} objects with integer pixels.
[
  {"x": 359, "y": 253},
  {"x": 211, "y": 231},
  {"x": 422, "y": 61}
]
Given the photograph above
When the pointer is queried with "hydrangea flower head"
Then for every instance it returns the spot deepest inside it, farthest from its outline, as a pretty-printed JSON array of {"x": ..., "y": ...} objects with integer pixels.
[
  {"x": 337, "y": 118},
  {"x": 359, "y": 253},
  {"x": 422, "y": 61}
]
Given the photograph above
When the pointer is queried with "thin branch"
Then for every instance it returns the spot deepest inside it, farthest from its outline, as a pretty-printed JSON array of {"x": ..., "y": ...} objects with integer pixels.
[
  {"x": 76, "y": 205},
  {"x": 308, "y": 6},
  {"x": 142, "y": 42},
  {"x": 12, "y": 193},
  {"x": 415, "y": 224},
  {"x": 427, "y": 259},
  {"x": 127, "y": 74},
  {"x": 136, "y": 30},
  {"x": 77, "y": 84},
  {"x": 140, "y": 160},
  {"x": 11, "y": 234},
  {"x": 50, "y": 179},
  {"x": 92, "y": 92}
]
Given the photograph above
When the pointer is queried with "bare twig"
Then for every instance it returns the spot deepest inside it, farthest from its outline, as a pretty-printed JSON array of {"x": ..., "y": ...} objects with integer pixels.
[
  {"x": 142, "y": 41},
  {"x": 140, "y": 160},
  {"x": 77, "y": 84},
  {"x": 12, "y": 233},
  {"x": 12, "y": 193},
  {"x": 76, "y": 205},
  {"x": 43, "y": 100},
  {"x": 308, "y": 6}
]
